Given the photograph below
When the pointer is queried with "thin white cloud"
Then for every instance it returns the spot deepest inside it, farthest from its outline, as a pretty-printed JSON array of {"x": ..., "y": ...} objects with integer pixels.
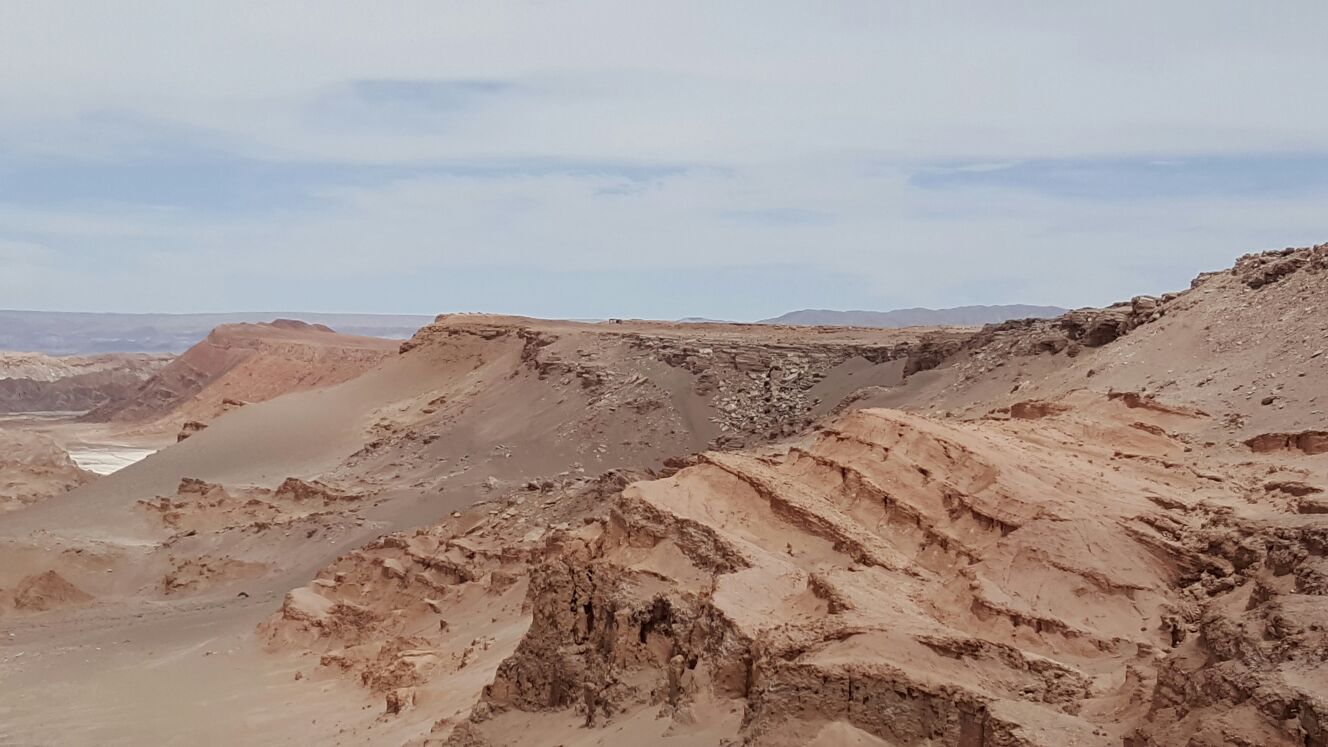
[
  {"x": 770, "y": 133},
  {"x": 687, "y": 81},
  {"x": 910, "y": 247}
]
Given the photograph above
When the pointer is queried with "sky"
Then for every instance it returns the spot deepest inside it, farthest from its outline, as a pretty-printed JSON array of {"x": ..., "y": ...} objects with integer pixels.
[{"x": 599, "y": 159}]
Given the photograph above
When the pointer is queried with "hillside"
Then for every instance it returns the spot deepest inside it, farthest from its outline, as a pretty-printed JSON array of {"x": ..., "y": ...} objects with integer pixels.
[
  {"x": 473, "y": 403},
  {"x": 1245, "y": 346},
  {"x": 33, "y": 382},
  {"x": 1104, "y": 528},
  {"x": 241, "y": 363},
  {"x": 961, "y": 316}
]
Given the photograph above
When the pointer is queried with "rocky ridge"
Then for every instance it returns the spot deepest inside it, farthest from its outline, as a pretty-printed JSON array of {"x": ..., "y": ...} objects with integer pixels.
[
  {"x": 859, "y": 581},
  {"x": 1097, "y": 566},
  {"x": 241, "y": 363}
]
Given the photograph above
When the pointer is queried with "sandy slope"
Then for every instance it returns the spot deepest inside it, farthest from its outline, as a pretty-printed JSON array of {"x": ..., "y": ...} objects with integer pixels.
[
  {"x": 1248, "y": 350},
  {"x": 1106, "y": 528},
  {"x": 141, "y": 401}
]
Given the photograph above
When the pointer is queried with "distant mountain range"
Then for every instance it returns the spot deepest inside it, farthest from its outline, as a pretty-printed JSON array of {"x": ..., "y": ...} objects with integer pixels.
[
  {"x": 958, "y": 316},
  {"x": 77, "y": 333}
]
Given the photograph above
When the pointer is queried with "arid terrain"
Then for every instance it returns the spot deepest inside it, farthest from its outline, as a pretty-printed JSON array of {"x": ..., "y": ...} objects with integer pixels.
[
  {"x": 241, "y": 363},
  {"x": 65, "y": 420},
  {"x": 1108, "y": 527},
  {"x": 34, "y": 382}
]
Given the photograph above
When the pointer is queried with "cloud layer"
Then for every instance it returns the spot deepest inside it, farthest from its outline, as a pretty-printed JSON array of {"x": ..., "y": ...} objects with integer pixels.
[{"x": 598, "y": 159}]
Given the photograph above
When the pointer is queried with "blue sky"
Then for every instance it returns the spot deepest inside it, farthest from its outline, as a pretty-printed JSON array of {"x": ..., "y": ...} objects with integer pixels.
[{"x": 594, "y": 159}]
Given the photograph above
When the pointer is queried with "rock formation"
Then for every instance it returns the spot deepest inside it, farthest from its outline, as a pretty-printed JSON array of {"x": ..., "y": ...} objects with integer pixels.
[
  {"x": 34, "y": 467},
  {"x": 32, "y": 382},
  {"x": 1106, "y": 528},
  {"x": 246, "y": 363}
]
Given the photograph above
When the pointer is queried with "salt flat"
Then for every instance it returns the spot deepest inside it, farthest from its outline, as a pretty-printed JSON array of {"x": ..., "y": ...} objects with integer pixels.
[{"x": 105, "y": 459}]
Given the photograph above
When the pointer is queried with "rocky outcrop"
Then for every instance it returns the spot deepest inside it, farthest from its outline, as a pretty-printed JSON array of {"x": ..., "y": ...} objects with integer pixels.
[
  {"x": 1035, "y": 410},
  {"x": 46, "y": 591},
  {"x": 295, "y": 489},
  {"x": 1249, "y": 675},
  {"x": 1305, "y": 442},
  {"x": 1266, "y": 268},
  {"x": 409, "y": 615},
  {"x": 899, "y": 578},
  {"x": 1072, "y": 331},
  {"x": 759, "y": 389},
  {"x": 239, "y": 363},
  {"x": 1076, "y": 330},
  {"x": 34, "y": 467},
  {"x": 200, "y": 506},
  {"x": 192, "y": 575},
  {"x": 190, "y": 428}
]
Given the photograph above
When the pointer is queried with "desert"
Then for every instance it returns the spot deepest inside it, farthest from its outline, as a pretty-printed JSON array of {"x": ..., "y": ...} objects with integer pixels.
[
  {"x": 626, "y": 374},
  {"x": 1099, "y": 528}
]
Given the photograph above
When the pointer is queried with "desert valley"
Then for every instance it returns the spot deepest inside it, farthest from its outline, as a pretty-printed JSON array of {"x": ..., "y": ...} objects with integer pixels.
[{"x": 1103, "y": 527}]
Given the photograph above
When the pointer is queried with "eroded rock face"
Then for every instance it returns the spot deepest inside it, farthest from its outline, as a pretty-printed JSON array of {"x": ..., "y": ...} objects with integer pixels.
[
  {"x": 47, "y": 591},
  {"x": 1305, "y": 442},
  {"x": 915, "y": 582},
  {"x": 910, "y": 581},
  {"x": 190, "y": 428},
  {"x": 34, "y": 467},
  {"x": 1266, "y": 268},
  {"x": 758, "y": 389},
  {"x": 1070, "y": 332},
  {"x": 763, "y": 391},
  {"x": 424, "y": 619},
  {"x": 1251, "y": 674},
  {"x": 636, "y": 393},
  {"x": 208, "y": 507}
]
